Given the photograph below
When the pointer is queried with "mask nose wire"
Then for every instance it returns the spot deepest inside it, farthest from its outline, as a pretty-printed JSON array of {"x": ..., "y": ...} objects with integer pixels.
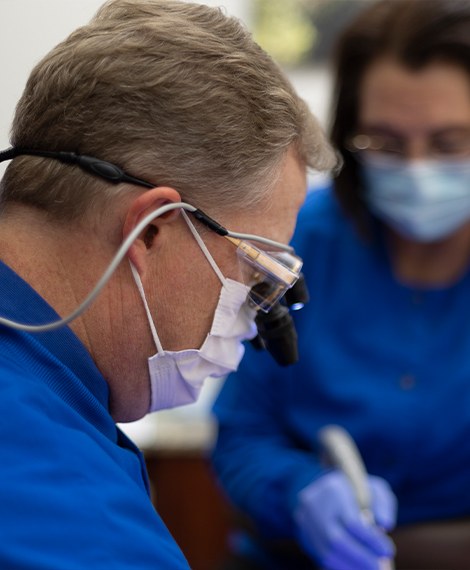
[
  {"x": 203, "y": 247},
  {"x": 140, "y": 287}
]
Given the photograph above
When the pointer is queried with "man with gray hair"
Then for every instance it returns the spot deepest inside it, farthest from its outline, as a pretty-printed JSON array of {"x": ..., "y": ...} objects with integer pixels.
[{"x": 154, "y": 113}]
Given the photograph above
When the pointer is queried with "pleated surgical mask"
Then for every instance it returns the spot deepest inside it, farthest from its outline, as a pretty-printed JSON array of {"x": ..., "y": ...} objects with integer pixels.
[
  {"x": 177, "y": 377},
  {"x": 424, "y": 200}
]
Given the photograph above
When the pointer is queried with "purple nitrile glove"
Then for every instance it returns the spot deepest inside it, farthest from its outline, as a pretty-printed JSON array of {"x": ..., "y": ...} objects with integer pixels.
[{"x": 332, "y": 529}]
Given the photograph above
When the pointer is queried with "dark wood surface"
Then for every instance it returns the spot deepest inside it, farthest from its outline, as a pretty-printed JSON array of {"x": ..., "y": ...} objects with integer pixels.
[
  {"x": 443, "y": 545},
  {"x": 199, "y": 517},
  {"x": 192, "y": 507}
]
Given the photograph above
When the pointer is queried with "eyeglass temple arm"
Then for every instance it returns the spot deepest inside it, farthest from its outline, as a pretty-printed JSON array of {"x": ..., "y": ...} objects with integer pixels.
[
  {"x": 116, "y": 175},
  {"x": 236, "y": 237},
  {"x": 102, "y": 168}
]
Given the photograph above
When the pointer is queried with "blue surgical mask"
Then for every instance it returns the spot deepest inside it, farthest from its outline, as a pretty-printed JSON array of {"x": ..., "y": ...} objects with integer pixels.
[{"x": 424, "y": 200}]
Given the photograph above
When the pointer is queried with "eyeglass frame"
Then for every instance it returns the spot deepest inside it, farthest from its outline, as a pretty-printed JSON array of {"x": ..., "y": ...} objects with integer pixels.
[
  {"x": 261, "y": 260},
  {"x": 363, "y": 142}
]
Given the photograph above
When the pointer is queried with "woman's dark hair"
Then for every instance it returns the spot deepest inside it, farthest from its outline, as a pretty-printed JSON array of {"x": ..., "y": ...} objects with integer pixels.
[{"x": 414, "y": 33}]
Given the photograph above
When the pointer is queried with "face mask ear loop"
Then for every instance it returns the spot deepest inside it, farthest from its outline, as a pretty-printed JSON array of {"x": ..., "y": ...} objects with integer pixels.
[
  {"x": 140, "y": 287},
  {"x": 202, "y": 245}
]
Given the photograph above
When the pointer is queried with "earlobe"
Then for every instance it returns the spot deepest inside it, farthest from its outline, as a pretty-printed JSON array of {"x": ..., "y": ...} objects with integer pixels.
[{"x": 137, "y": 210}]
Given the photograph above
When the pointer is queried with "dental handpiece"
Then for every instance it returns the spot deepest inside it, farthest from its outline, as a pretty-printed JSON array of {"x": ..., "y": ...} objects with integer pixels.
[{"x": 344, "y": 454}]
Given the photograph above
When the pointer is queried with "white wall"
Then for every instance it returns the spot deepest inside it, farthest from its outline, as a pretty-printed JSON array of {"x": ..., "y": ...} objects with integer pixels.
[{"x": 28, "y": 30}]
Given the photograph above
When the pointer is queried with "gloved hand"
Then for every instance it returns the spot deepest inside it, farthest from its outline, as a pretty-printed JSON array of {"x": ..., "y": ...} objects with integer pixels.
[{"x": 334, "y": 532}]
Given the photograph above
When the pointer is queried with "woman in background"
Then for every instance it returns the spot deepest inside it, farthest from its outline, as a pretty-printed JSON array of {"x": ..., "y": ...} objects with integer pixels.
[{"x": 385, "y": 340}]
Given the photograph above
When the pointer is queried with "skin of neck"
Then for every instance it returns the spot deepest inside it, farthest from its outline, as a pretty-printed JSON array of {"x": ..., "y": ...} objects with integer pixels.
[{"x": 63, "y": 262}]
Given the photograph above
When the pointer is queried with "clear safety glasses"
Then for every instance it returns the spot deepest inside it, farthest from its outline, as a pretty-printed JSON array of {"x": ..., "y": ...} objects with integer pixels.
[{"x": 271, "y": 273}]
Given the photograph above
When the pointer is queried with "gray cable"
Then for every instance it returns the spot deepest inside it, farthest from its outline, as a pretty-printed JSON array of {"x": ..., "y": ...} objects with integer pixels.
[
  {"x": 266, "y": 241},
  {"x": 116, "y": 261},
  {"x": 104, "y": 278}
]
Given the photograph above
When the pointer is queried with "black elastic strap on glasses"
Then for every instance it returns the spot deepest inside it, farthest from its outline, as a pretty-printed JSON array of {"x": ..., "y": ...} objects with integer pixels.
[
  {"x": 107, "y": 170},
  {"x": 276, "y": 330},
  {"x": 95, "y": 166}
]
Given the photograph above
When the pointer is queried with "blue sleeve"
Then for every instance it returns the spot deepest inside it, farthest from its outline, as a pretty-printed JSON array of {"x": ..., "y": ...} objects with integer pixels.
[
  {"x": 387, "y": 362},
  {"x": 66, "y": 502},
  {"x": 258, "y": 457},
  {"x": 259, "y": 465}
]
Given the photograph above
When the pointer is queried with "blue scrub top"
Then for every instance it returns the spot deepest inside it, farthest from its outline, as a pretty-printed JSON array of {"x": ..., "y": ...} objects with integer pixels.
[
  {"x": 74, "y": 492},
  {"x": 388, "y": 362}
]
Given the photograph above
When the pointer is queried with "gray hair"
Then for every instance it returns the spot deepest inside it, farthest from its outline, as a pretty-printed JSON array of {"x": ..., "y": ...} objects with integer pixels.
[{"x": 175, "y": 93}]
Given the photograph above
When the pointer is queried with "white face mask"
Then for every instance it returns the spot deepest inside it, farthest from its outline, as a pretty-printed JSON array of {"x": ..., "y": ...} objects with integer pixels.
[
  {"x": 176, "y": 377},
  {"x": 424, "y": 200}
]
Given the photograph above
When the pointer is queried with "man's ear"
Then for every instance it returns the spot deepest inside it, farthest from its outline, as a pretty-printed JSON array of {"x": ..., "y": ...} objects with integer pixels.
[{"x": 137, "y": 210}]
